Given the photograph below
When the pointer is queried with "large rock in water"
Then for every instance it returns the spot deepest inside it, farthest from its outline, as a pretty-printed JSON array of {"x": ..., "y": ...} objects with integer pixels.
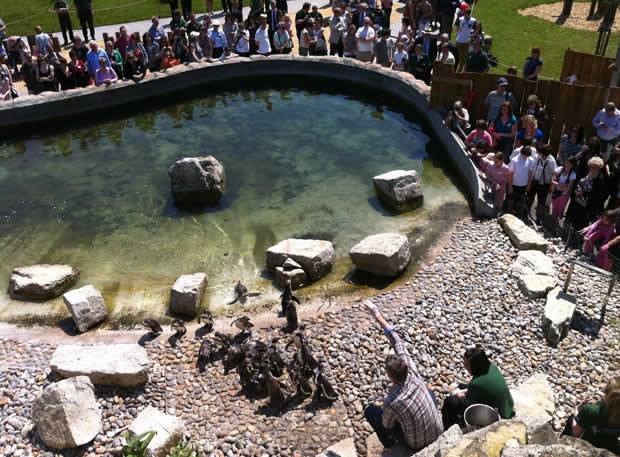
[
  {"x": 86, "y": 306},
  {"x": 107, "y": 364},
  {"x": 522, "y": 237},
  {"x": 384, "y": 254},
  {"x": 197, "y": 181},
  {"x": 42, "y": 282},
  {"x": 169, "y": 430},
  {"x": 558, "y": 315},
  {"x": 186, "y": 294},
  {"x": 316, "y": 257},
  {"x": 399, "y": 190},
  {"x": 291, "y": 271},
  {"x": 67, "y": 414}
]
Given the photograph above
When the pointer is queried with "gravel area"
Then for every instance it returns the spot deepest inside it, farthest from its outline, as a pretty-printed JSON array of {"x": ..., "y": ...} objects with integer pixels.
[
  {"x": 465, "y": 296},
  {"x": 577, "y": 20}
]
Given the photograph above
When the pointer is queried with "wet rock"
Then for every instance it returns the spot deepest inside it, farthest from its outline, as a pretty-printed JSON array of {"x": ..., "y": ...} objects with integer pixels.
[
  {"x": 399, "y": 190},
  {"x": 42, "y": 282},
  {"x": 522, "y": 237},
  {"x": 297, "y": 277},
  {"x": 384, "y": 254},
  {"x": 197, "y": 181},
  {"x": 86, "y": 306},
  {"x": 558, "y": 315},
  {"x": 169, "y": 430},
  {"x": 186, "y": 294},
  {"x": 316, "y": 257}
]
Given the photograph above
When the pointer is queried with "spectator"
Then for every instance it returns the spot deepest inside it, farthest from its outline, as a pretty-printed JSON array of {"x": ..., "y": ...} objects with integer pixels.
[
  {"x": 167, "y": 57},
  {"x": 360, "y": 16},
  {"x": 570, "y": 143},
  {"x": 464, "y": 28},
  {"x": 133, "y": 68},
  {"x": 177, "y": 21},
  {"x": 487, "y": 387},
  {"x": 599, "y": 233},
  {"x": 273, "y": 20},
  {"x": 405, "y": 34},
  {"x": 306, "y": 38},
  {"x": 337, "y": 29},
  {"x": 301, "y": 17},
  {"x": 318, "y": 44},
  {"x": 447, "y": 8},
  {"x": 16, "y": 48},
  {"x": 230, "y": 29},
  {"x": 79, "y": 72},
  {"x": 386, "y": 7},
  {"x": 530, "y": 128},
  {"x": 316, "y": 14},
  {"x": 487, "y": 44},
  {"x": 477, "y": 135},
  {"x": 281, "y": 40},
  {"x": 242, "y": 41},
  {"x": 180, "y": 47},
  {"x": 192, "y": 24},
  {"x": 2, "y": 30},
  {"x": 174, "y": 5},
  {"x": 218, "y": 40},
  {"x": 186, "y": 7},
  {"x": 445, "y": 55},
  {"x": 156, "y": 30},
  {"x": 151, "y": 48},
  {"x": 534, "y": 107},
  {"x": 445, "y": 40},
  {"x": 383, "y": 49},
  {"x": 80, "y": 49},
  {"x": 496, "y": 98},
  {"x": 542, "y": 182},
  {"x": 533, "y": 65},
  {"x": 462, "y": 117},
  {"x": 257, "y": 7},
  {"x": 93, "y": 56},
  {"x": 477, "y": 60},
  {"x": 512, "y": 71},
  {"x": 350, "y": 42},
  {"x": 195, "y": 51},
  {"x": 365, "y": 39},
  {"x": 563, "y": 181},
  {"x": 137, "y": 49},
  {"x": 424, "y": 17},
  {"x": 262, "y": 38},
  {"x": 85, "y": 14},
  {"x": 6, "y": 83},
  {"x": 497, "y": 173},
  {"x": 45, "y": 75},
  {"x": 400, "y": 57},
  {"x": 62, "y": 10},
  {"x": 587, "y": 203},
  {"x": 428, "y": 41},
  {"x": 419, "y": 64},
  {"x": 607, "y": 124},
  {"x": 409, "y": 415},
  {"x": 520, "y": 181},
  {"x": 115, "y": 58},
  {"x": 237, "y": 10},
  {"x": 28, "y": 74},
  {"x": 64, "y": 76},
  {"x": 503, "y": 129},
  {"x": 43, "y": 41},
  {"x": 592, "y": 149},
  {"x": 122, "y": 41}
]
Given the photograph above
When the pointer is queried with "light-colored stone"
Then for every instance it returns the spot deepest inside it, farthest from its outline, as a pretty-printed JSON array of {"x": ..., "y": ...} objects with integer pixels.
[
  {"x": 536, "y": 286},
  {"x": 67, "y": 414},
  {"x": 197, "y": 180},
  {"x": 107, "y": 364},
  {"x": 344, "y": 448},
  {"x": 316, "y": 257},
  {"x": 534, "y": 398},
  {"x": 297, "y": 277},
  {"x": 489, "y": 441},
  {"x": 532, "y": 262},
  {"x": 169, "y": 430},
  {"x": 400, "y": 190},
  {"x": 384, "y": 254},
  {"x": 567, "y": 447},
  {"x": 290, "y": 264},
  {"x": 439, "y": 448},
  {"x": 41, "y": 282},
  {"x": 522, "y": 237},
  {"x": 86, "y": 306},
  {"x": 558, "y": 315},
  {"x": 186, "y": 294}
]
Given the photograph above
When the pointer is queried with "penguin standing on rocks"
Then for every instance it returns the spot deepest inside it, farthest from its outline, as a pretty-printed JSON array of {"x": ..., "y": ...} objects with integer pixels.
[
  {"x": 292, "y": 321},
  {"x": 179, "y": 327},
  {"x": 206, "y": 318},
  {"x": 303, "y": 357},
  {"x": 300, "y": 383},
  {"x": 323, "y": 388},
  {"x": 206, "y": 351},
  {"x": 287, "y": 296},
  {"x": 277, "y": 400},
  {"x": 153, "y": 326},
  {"x": 241, "y": 293},
  {"x": 243, "y": 323}
]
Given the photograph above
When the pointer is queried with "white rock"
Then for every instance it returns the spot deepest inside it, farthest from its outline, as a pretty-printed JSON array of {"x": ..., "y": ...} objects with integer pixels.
[
  {"x": 186, "y": 294},
  {"x": 384, "y": 254},
  {"x": 316, "y": 257},
  {"x": 86, "y": 306},
  {"x": 532, "y": 262},
  {"x": 558, "y": 315},
  {"x": 344, "y": 448},
  {"x": 534, "y": 398},
  {"x": 522, "y": 237},
  {"x": 67, "y": 414},
  {"x": 108, "y": 364},
  {"x": 297, "y": 277},
  {"x": 197, "y": 180},
  {"x": 41, "y": 282},
  {"x": 169, "y": 430},
  {"x": 536, "y": 286},
  {"x": 400, "y": 190},
  {"x": 290, "y": 264}
]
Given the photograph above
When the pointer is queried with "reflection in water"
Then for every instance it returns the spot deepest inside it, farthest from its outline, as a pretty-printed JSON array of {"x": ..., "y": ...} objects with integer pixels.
[{"x": 298, "y": 163}]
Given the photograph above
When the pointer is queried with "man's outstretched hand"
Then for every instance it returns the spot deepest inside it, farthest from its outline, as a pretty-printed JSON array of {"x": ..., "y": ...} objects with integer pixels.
[{"x": 371, "y": 307}]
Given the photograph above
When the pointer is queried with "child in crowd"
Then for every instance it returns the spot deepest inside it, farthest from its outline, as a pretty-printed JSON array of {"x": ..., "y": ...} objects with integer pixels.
[
  {"x": 602, "y": 231},
  {"x": 497, "y": 174},
  {"x": 400, "y": 58},
  {"x": 478, "y": 135}
]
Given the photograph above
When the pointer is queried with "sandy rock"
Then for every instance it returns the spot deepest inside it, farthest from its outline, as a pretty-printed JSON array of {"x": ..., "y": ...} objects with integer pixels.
[
  {"x": 197, "y": 180},
  {"x": 534, "y": 397},
  {"x": 534, "y": 263},
  {"x": 316, "y": 257},
  {"x": 558, "y": 315},
  {"x": 344, "y": 448},
  {"x": 41, "y": 282},
  {"x": 384, "y": 254},
  {"x": 536, "y": 286},
  {"x": 108, "y": 364},
  {"x": 297, "y": 277},
  {"x": 489, "y": 441},
  {"x": 169, "y": 430},
  {"x": 568, "y": 447},
  {"x": 522, "y": 236},
  {"x": 444, "y": 443},
  {"x": 67, "y": 414},
  {"x": 186, "y": 294},
  {"x": 399, "y": 190},
  {"x": 86, "y": 306}
]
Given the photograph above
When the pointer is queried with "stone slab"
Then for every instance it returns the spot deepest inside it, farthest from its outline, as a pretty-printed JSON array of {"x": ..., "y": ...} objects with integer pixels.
[
  {"x": 522, "y": 237},
  {"x": 169, "y": 430},
  {"x": 383, "y": 254},
  {"x": 344, "y": 448},
  {"x": 86, "y": 306},
  {"x": 558, "y": 315},
  {"x": 42, "y": 281}
]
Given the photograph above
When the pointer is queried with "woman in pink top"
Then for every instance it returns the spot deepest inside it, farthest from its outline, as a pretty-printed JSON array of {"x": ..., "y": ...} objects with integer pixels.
[
  {"x": 105, "y": 75},
  {"x": 497, "y": 174},
  {"x": 479, "y": 136},
  {"x": 603, "y": 230}
]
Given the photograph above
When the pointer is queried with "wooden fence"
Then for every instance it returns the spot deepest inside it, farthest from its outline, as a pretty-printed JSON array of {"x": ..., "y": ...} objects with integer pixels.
[
  {"x": 589, "y": 68},
  {"x": 567, "y": 104}
]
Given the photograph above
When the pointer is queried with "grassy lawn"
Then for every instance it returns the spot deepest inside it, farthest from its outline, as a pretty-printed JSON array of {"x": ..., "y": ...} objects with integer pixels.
[
  {"x": 21, "y": 16},
  {"x": 515, "y": 35}
]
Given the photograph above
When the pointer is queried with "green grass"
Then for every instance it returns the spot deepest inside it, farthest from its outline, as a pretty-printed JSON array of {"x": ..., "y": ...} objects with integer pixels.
[
  {"x": 515, "y": 35},
  {"x": 21, "y": 16}
]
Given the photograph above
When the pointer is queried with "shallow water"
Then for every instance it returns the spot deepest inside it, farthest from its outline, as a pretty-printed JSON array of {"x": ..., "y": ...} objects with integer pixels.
[{"x": 298, "y": 163}]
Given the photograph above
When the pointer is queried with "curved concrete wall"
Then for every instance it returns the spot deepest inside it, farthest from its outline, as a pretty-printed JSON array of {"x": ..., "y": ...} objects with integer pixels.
[{"x": 52, "y": 106}]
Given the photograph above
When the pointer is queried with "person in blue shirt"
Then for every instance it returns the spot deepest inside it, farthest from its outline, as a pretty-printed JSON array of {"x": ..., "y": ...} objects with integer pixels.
[
  {"x": 218, "y": 39},
  {"x": 533, "y": 65},
  {"x": 156, "y": 31},
  {"x": 93, "y": 56}
]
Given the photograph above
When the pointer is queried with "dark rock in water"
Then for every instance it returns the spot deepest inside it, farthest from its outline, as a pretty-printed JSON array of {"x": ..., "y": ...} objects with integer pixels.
[
  {"x": 399, "y": 190},
  {"x": 197, "y": 181}
]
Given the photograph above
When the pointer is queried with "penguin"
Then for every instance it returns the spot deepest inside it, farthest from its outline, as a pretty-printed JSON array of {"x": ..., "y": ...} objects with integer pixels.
[
  {"x": 301, "y": 384},
  {"x": 179, "y": 327},
  {"x": 323, "y": 387},
  {"x": 241, "y": 293},
  {"x": 207, "y": 319},
  {"x": 245, "y": 370},
  {"x": 277, "y": 400},
  {"x": 287, "y": 296},
  {"x": 291, "y": 317},
  {"x": 152, "y": 325},
  {"x": 243, "y": 323},
  {"x": 206, "y": 351},
  {"x": 303, "y": 356},
  {"x": 224, "y": 340},
  {"x": 234, "y": 356}
]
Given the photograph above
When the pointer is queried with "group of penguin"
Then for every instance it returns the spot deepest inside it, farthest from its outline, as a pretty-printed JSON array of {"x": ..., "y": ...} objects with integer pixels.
[{"x": 260, "y": 365}]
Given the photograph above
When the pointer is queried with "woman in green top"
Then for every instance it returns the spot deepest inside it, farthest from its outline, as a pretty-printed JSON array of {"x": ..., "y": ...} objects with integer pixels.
[
  {"x": 487, "y": 387},
  {"x": 116, "y": 61},
  {"x": 599, "y": 423}
]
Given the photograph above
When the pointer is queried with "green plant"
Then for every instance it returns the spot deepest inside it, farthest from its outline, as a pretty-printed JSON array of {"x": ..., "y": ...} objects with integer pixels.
[
  {"x": 136, "y": 446},
  {"x": 184, "y": 449}
]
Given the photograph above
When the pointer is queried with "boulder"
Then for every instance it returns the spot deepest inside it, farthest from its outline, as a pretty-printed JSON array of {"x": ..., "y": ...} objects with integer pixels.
[
  {"x": 86, "y": 306},
  {"x": 558, "y": 315},
  {"x": 536, "y": 286},
  {"x": 42, "y": 282},
  {"x": 384, "y": 254},
  {"x": 399, "y": 190},
  {"x": 186, "y": 294},
  {"x": 534, "y": 405},
  {"x": 567, "y": 447},
  {"x": 169, "y": 430},
  {"x": 522, "y": 237},
  {"x": 297, "y": 277},
  {"x": 67, "y": 414},
  {"x": 316, "y": 257},
  {"x": 534, "y": 263},
  {"x": 439, "y": 448},
  {"x": 489, "y": 441},
  {"x": 107, "y": 364},
  {"x": 197, "y": 180},
  {"x": 344, "y": 448}
]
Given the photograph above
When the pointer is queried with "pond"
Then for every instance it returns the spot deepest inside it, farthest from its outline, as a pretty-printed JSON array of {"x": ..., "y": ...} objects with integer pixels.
[{"x": 299, "y": 163}]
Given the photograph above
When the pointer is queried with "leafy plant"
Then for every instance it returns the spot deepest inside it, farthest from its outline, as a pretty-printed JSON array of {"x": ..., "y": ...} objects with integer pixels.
[
  {"x": 184, "y": 449},
  {"x": 136, "y": 446}
]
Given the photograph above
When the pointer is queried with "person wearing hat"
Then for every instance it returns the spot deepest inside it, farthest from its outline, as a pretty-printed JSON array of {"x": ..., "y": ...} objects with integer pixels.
[
  {"x": 218, "y": 39},
  {"x": 496, "y": 98},
  {"x": 428, "y": 40}
]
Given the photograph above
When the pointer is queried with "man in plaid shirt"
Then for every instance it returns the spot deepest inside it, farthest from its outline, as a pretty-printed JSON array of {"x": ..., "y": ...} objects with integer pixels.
[{"x": 409, "y": 415}]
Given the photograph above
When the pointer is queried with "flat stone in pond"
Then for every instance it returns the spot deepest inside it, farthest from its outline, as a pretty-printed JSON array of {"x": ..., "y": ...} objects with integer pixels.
[
  {"x": 86, "y": 306},
  {"x": 384, "y": 254},
  {"x": 42, "y": 282},
  {"x": 316, "y": 257},
  {"x": 522, "y": 236},
  {"x": 106, "y": 364}
]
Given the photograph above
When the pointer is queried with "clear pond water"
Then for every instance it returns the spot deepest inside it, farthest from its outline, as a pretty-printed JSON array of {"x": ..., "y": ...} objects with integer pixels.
[{"x": 298, "y": 163}]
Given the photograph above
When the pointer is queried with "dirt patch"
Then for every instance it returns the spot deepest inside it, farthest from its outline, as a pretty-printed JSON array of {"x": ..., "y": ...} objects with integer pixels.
[{"x": 577, "y": 20}]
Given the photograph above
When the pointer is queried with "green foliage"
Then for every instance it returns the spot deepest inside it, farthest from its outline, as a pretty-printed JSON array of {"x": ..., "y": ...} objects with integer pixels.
[
  {"x": 184, "y": 449},
  {"x": 136, "y": 446}
]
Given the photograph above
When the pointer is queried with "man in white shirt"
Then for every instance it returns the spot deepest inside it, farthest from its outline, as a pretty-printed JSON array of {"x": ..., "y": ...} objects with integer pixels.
[
  {"x": 445, "y": 55},
  {"x": 607, "y": 124},
  {"x": 520, "y": 181},
  {"x": 465, "y": 26},
  {"x": 365, "y": 39},
  {"x": 337, "y": 29},
  {"x": 542, "y": 179},
  {"x": 262, "y": 38},
  {"x": 526, "y": 141}
]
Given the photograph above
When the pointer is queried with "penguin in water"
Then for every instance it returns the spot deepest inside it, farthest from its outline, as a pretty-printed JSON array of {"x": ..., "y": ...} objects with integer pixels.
[
  {"x": 241, "y": 293},
  {"x": 206, "y": 318},
  {"x": 323, "y": 388},
  {"x": 243, "y": 323},
  {"x": 153, "y": 326},
  {"x": 287, "y": 296},
  {"x": 179, "y": 327},
  {"x": 277, "y": 400}
]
